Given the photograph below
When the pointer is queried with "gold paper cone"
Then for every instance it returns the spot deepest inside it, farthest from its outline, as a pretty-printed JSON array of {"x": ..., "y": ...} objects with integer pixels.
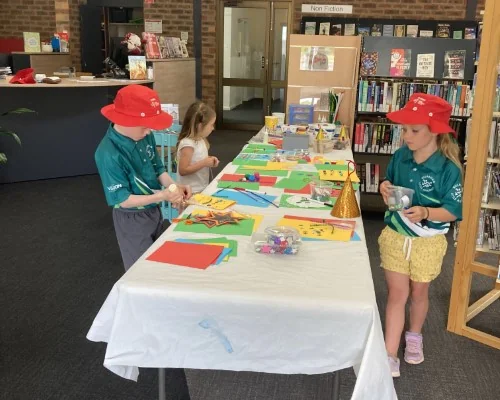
[{"x": 346, "y": 205}]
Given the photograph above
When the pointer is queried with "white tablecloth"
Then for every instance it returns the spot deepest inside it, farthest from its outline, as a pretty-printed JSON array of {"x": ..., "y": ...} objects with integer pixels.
[{"x": 306, "y": 314}]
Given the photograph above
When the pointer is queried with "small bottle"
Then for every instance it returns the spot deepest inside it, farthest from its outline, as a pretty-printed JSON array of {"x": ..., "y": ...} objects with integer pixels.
[
  {"x": 265, "y": 136},
  {"x": 150, "y": 73}
]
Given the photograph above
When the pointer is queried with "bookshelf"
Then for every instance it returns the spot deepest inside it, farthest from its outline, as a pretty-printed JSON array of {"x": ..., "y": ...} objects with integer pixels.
[
  {"x": 380, "y": 93},
  {"x": 467, "y": 263}
]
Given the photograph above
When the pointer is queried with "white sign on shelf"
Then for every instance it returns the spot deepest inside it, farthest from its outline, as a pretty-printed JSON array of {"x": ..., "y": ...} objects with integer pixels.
[
  {"x": 184, "y": 36},
  {"x": 153, "y": 25},
  {"x": 326, "y": 9}
]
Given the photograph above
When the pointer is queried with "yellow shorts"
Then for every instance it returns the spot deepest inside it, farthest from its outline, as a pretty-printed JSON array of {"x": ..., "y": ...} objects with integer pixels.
[{"x": 419, "y": 258}]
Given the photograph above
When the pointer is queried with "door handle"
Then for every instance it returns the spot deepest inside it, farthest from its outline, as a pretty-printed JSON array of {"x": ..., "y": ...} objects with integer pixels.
[{"x": 263, "y": 62}]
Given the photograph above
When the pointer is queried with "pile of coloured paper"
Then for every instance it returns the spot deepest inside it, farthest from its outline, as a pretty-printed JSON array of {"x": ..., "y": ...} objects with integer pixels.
[
  {"x": 320, "y": 228},
  {"x": 230, "y": 223},
  {"x": 337, "y": 171},
  {"x": 196, "y": 253},
  {"x": 246, "y": 197}
]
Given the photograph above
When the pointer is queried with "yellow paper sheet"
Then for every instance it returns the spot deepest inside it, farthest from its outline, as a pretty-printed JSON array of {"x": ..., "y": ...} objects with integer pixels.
[
  {"x": 333, "y": 175},
  {"x": 316, "y": 230},
  {"x": 212, "y": 202},
  {"x": 226, "y": 245},
  {"x": 272, "y": 166},
  {"x": 256, "y": 217}
]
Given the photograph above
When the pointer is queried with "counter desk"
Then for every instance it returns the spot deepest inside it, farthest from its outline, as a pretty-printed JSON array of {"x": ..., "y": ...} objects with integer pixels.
[{"x": 61, "y": 138}]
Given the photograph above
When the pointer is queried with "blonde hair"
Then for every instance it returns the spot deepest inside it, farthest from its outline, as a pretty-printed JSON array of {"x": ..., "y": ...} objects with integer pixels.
[
  {"x": 197, "y": 113},
  {"x": 449, "y": 147}
]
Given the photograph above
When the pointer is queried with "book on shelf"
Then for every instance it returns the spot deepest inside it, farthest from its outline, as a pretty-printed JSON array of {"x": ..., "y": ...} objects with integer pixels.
[
  {"x": 378, "y": 138},
  {"x": 310, "y": 28},
  {"x": 336, "y": 30},
  {"x": 386, "y": 95},
  {"x": 454, "y": 64},
  {"x": 388, "y": 30},
  {"x": 457, "y": 35},
  {"x": 488, "y": 230},
  {"x": 376, "y": 30},
  {"x": 324, "y": 28},
  {"x": 470, "y": 33},
  {"x": 369, "y": 62},
  {"x": 363, "y": 31},
  {"x": 151, "y": 45},
  {"x": 411, "y": 31},
  {"x": 32, "y": 42},
  {"x": 443, "y": 31},
  {"x": 400, "y": 62},
  {"x": 426, "y": 33},
  {"x": 399, "y": 30},
  {"x": 369, "y": 177},
  {"x": 349, "y": 29},
  {"x": 137, "y": 67},
  {"x": 425, "y": 65}
]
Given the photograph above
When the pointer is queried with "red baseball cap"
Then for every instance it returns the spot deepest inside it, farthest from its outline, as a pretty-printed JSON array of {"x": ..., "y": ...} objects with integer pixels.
[
  {"x": 137, "y": 105},
  {"x": 425, "y": 109},
  {"x": 23, "y": 76}
]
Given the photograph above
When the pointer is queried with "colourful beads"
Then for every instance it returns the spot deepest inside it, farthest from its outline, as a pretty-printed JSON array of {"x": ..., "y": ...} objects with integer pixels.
[{"x": 279, "y": 240}]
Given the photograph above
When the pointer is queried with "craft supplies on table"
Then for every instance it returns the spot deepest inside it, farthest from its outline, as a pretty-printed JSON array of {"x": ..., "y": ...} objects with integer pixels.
[
  {"x": 297, "y": 201},
  {"x": 320, "y": 228},
  {"x": 321, "y": 190},
  {"x": 257, "y": 177},
  {"x": 277, "y": 240},
  {"x": 192, "y": 255},
  {"x": 216, "y": 203},
  {"x": 246, "y": 197},
  {"x": 238, "y": 185}
]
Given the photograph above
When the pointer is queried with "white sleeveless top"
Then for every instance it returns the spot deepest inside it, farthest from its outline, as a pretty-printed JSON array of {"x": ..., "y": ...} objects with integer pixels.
[{"x": 200, "y": 179}]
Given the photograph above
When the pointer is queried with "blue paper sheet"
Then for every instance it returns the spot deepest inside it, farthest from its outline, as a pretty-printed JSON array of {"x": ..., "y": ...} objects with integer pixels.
[{"x": 245, "y": 199}]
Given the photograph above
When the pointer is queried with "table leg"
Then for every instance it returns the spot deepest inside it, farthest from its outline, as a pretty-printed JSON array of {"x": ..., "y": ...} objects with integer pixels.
[
  {"x": 336, "y": 385},
  {"x": 162, "y": 395}
]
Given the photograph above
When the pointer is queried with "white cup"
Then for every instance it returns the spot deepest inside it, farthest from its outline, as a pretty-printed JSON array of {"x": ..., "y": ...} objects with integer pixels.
[
  {"x": 281, "y": 118},
  {"x": 40, "y": 77}
]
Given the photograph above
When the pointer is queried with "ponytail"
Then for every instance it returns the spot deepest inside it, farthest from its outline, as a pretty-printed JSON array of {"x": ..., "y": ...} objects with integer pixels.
[
  {"x": 197, "y": 113},
  {"x": 449, "y": 147}
]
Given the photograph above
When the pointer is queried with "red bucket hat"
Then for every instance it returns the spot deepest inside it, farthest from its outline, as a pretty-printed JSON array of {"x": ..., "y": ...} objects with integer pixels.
[
  {"x": 23, "y": 76},
  {"x": 425, "y": 109},
  {"x": 137, "y": 105}
]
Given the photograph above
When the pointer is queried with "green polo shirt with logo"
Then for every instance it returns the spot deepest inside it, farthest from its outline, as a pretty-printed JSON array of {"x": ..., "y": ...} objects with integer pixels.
[
  {"x": 437, "y": 183},
  {"x": 128, "y": 167}
]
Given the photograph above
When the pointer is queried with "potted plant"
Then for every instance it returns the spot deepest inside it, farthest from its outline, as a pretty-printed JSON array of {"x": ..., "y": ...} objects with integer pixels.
[{"x": 7, "y": 132}]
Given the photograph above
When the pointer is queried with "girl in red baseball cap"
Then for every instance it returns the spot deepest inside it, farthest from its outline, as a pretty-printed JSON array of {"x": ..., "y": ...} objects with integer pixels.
[{"x": 413, "y": 243}]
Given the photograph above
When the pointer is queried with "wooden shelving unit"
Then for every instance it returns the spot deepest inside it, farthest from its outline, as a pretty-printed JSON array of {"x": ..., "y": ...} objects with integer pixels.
[{"x": 461, "y": 312}]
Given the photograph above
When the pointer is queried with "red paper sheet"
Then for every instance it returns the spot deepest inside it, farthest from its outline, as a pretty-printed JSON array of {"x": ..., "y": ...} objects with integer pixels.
[
  {"x": 263, "y": 181},
  {"x": 192, "y": 255},
  {"x": 277, "y": 142},
  {"x": 329, "y": 221},
  {"x": 305, "y": 190}
]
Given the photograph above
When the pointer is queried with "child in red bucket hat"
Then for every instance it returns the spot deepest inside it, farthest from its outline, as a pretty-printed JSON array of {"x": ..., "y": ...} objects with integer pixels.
[
  {"x": 132, "y": 172},
  {"x": 413, "y": 243}
]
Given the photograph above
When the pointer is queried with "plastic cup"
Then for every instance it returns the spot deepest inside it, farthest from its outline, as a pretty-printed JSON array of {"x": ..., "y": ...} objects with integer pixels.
[
  {"x": 399, "y": 198},
  {"x": 321, "y": 190}
]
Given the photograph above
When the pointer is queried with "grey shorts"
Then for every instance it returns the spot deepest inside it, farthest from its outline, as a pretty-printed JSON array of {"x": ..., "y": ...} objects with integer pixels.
[{"x": 136, "y": 231}]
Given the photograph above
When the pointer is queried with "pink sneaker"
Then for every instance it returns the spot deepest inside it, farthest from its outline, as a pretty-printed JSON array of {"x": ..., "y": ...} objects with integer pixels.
[
  {"x": 394, "y": 366},
  {"x": 414, "y": 351}
]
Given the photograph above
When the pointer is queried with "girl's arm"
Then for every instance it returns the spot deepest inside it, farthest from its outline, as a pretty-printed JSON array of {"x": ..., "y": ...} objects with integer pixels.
[
  {"x": 185, "y": 167},
  {"x": 418, "y": 213}
]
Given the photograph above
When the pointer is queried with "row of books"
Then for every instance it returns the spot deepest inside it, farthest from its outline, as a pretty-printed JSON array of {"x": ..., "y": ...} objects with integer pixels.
[
  {"x": 381, "y": 138},
  {"x": 387, "y": 95},
  {"x": 489, "y": 229},
  {"x": 496, "y": 100},
  {"x": 494, "y": 142},
  {"x": 369, "y": 177},
  {"x": 163, "y": 46},
  {"x": 335, "y": 29},
  {"x": 401, "y": 62},
  {"x": 491, "y": 187}
]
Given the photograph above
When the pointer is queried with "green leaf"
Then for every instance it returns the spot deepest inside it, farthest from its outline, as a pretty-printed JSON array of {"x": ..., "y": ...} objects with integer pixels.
[
  {"x": 3, "y": 158},
  {"x": 6, "y": 132},
  {"x": 19, "y": 111}
]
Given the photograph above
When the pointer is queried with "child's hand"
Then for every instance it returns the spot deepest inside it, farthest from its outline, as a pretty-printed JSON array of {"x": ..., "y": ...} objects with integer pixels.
[
  {"x": 173, "y": 197},
  {"x": 186, "y": 189},
  {"x": 384, "y": 190},
  {"x": 211, "y": 162},
  {"x": 416, "y": 214}
]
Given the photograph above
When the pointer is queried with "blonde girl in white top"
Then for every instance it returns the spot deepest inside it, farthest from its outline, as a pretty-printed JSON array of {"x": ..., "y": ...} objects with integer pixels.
[{"x": 193, "y": 161}]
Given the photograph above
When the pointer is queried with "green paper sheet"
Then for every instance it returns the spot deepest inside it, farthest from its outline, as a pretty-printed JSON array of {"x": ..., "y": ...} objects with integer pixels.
[
  {"x": 233, "y": 244},
  {"x": 254, "y": 146},
  {"x": 258, "y": 151},
  {"x": 244, "y": 171},
  {"x": 285, "y": 204},
  {"x": 331, "y": 167},
  {"x": 243, "y": 185},
  {"x": 294, "y": 184},
  {"x": 252, "y": 163},
  {"x": 243, "y": 228},
  {"x": 304, "y": 175}
]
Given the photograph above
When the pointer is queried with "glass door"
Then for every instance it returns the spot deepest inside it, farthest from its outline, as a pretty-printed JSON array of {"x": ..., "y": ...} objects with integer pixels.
[{"x": 252, "y": 39}]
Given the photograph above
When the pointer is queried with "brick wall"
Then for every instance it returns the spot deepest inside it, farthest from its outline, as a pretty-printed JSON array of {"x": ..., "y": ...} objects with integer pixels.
[
  {"x": 208, "y": 51},
  {"x": 177, "y": 17},
  {"x": 18, "y": 16}
]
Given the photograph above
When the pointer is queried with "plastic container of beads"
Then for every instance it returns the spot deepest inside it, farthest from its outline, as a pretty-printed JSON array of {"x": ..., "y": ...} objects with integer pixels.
[
  {"x": 321, "y": 190},
  {"x": 277, "y": 240}
]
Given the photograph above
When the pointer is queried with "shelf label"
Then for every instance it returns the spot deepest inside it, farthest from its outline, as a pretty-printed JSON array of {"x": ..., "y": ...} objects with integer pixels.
[
  {"x": 326, "y": 9},
  {"x": 153, "y": 25}
]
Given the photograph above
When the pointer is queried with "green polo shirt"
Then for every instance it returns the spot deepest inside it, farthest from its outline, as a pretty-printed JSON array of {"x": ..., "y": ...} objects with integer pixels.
[
  {"x": 128, "y": 167},
  {"x": 437, "y": 183}
]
